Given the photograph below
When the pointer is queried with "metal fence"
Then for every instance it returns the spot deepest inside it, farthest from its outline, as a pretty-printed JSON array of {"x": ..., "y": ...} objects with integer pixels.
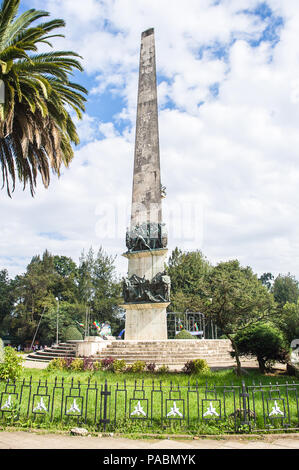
[{"x": 151, "y": 407}]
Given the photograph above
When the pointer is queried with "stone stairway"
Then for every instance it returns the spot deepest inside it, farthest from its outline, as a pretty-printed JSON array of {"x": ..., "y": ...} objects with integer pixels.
[
  {"x": 58, "y": 350},
  {"x": 174, "y": 353}
]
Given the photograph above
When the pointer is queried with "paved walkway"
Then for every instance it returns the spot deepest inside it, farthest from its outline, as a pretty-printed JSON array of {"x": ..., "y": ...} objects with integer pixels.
[{"x": 35, "y": 440}]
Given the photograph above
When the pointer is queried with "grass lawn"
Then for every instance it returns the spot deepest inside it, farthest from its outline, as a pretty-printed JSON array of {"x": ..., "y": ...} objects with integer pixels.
[{"x": 224, "y": 377}]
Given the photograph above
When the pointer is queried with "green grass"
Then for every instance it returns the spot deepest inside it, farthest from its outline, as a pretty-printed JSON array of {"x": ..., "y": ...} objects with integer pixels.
[
  {"x": 219, "y": 378},
  {"x": 189, "y": 392}
]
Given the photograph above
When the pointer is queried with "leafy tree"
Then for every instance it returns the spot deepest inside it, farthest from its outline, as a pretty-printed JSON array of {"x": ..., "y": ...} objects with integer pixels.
[
  {"x": 36, "y": 128},
  {"x": 72, "y": 333},
  {"x": 238, "y": 300},
  {"x": 188, "y": 272},
  {"x": 263, "y": 341},
  {"x": 285, "y": 289},
  {"x": 35, "y": 295},
  {"x": 99, "y": 288},
  {"x": 267, "y": 280},
  {"x": 6, "y": 298},
  {"x": 288, "y": 321}
]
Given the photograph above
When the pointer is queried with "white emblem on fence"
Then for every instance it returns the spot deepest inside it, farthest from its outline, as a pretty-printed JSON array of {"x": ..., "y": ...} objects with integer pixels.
[
  {"x": 211, "y": 411},
  {"x": 138, "y": 410},
  {"x": 7, "y": 404},
  {"x": 41, "y": 406},
  {"x": 276, "y": 410},
  {"x": 74, "y": 408},
  {"x": 174, "y": 411}
]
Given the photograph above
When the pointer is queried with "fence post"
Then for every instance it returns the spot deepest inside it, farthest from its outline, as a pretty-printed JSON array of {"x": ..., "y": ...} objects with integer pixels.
[
  {"x": 105, "y": 394},
  {"x": 244, "y": 412}
]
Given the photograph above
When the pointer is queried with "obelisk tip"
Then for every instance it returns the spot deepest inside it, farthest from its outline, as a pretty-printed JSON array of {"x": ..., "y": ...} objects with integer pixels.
[{"x": 148, "y": 32}]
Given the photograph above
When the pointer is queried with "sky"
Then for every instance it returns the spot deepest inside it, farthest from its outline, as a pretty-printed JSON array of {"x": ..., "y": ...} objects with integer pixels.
[{"x": 228, "y": 95}]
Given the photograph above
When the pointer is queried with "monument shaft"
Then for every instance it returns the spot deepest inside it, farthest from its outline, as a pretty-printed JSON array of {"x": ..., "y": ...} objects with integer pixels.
[
  {"x": 146, "y": 290},
  {"x": 146, "y": 194}
]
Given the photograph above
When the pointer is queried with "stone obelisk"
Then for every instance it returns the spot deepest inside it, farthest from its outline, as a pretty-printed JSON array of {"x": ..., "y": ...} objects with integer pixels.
[{"x": 146, "y": 290}]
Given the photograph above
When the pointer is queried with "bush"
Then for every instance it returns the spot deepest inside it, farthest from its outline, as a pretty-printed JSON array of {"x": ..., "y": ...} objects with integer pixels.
[
  {"x": 163, "y": 369},
  {"x": 265, "y": 342},
  {"x": 1, "y": 350},
  {"x": 72, "y": 333},
  {"x": 96, "y": 365},
  {"x": 138, "y": 366},
  {"x": 198, "y": 366},
  {"x": 12, "y": 366},
  {"x": 77, "y": 364},
  {"x": 107, "y": 363},
  {"x": 119, "y": 365},
  {"x": 151, "y": 367},
  {"x": 184, "y": 334},
  {"x": 58, "y": 363}
]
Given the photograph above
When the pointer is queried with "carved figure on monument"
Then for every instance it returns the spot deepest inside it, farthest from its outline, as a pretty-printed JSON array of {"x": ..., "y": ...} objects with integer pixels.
[
  {"x": 146, "y": 236},
  {"x": 139, "y": 289}
]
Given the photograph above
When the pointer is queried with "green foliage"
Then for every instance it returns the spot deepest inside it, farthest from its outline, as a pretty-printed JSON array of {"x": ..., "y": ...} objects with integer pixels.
[
  {"x": 197, "y": 366},
  {"x": 12, "y": 366},
  {"x": 36, "y": 128},
  {"x": 6, "y": 299},
  {"x": 77, "y": 364},
  {"x": 285, "y": 289},
  {"x": 263, "y": 341},
  {"x": 288, "y": 321},
  {"x": 188, "y": 272},
  {"x": 72, "y": 333},
  {"x": 138, "y": 366},
  {"x": 1, "y": 350},
  {"x": 119, "y": 365},
  {"x": 57, "y": 363},
  {"x": 164, "y": 369},
  {"x": 184, "y": 334}
]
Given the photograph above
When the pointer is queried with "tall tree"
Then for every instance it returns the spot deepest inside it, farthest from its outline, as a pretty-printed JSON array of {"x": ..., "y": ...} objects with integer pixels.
[
  {"x": 285, "y": 289},
  {"x": 6, "y": 298},
  {"x": 99, "y": 288},
  {"x": 238, "y": 300},
  {"x": 36, "y": 128},
  {"x": 188, "y": 272}
]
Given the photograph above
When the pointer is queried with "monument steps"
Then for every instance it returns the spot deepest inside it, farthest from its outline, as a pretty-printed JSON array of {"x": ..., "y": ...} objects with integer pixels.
[
  {"x": 170, "y": 352},
  {"x": 61, "y": 350}
]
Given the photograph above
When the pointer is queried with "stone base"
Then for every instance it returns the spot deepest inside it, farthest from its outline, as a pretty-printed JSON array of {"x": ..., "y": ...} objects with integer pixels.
[
  {"x": 146, "y": 263},
  {"x": 91, "y": 346},
  {"x": 146, "y": 321}
]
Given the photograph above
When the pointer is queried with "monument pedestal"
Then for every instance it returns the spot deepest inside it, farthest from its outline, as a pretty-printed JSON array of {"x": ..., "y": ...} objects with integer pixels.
[{"x": 146, "y": 321}]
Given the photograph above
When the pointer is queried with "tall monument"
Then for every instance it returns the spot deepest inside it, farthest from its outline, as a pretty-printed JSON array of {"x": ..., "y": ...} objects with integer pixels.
[{"x": 146, "y": 290}]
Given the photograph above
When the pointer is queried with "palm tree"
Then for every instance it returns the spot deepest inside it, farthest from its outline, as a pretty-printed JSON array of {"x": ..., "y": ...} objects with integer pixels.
[{"x": 36, "y": 128}]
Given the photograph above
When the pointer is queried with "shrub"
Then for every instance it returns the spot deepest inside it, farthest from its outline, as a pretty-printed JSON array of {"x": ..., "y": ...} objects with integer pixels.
[
  {"x": 72, "y": 333},
  {"x": 1, "y": 350},
  {"x": 77, "y": 364},
  {"x": 96, "y": 365},
  {"x": 119, "y": 365},
  {"x": 265, "y": 342},
  {"x": 151, "y": 367},
  {"x": 87, "y": 363},
  {"x": 57, "y": 363},
  {"x": 138, "y": 366},
  {"x": 163, "y": 369},
  {"x": 184, "y": 334},
  {"x": 107, "y": 363},
  {"x": 12, "y": 366},
  {"x": 196, "y": 366}
]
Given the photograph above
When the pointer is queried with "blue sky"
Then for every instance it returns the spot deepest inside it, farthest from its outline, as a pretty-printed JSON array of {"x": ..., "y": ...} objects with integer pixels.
[{"x": 228, "y": 92}]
